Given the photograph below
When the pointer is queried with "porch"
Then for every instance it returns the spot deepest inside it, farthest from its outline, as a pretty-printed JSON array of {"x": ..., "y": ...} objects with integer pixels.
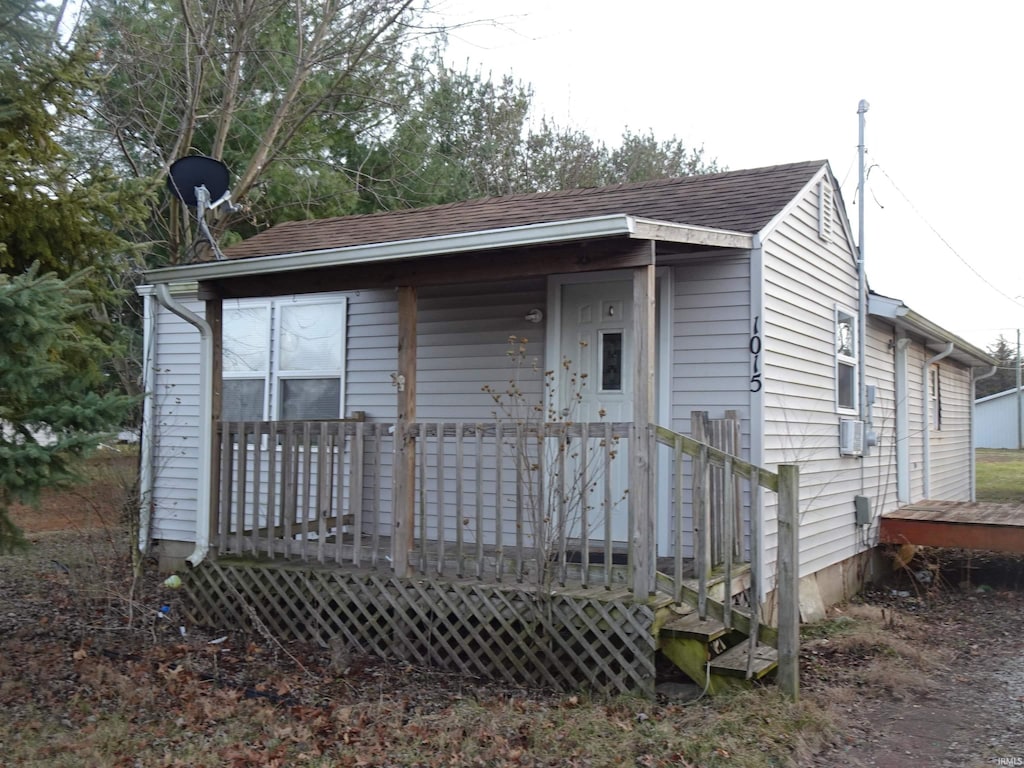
[
  {"x": 518, "y": 558},
  {"x": 985, "y": 526}
]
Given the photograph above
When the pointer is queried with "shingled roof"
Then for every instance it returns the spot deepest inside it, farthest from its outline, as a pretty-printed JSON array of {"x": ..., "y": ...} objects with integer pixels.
[{"x": 739, "y": 201}]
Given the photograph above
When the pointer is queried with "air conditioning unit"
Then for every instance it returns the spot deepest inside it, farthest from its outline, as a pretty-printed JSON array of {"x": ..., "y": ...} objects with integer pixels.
[{"x": 851, "y": 437}]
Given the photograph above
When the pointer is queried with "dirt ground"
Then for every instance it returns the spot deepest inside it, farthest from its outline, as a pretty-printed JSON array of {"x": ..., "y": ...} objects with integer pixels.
[{"x": 98, "y": 667}]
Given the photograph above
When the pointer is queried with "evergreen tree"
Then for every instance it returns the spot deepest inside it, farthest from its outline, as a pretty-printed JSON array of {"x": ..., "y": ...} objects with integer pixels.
[
  {"x": 1006, "y": 377},
  {"x": 60, "y": 214},
  {"x": 63, "y": 209},
  {"x": 51, "y": 407}
]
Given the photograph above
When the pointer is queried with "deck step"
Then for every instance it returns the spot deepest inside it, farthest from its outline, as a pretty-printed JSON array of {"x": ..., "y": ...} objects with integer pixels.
[
  {"x": 692, "y": 627},
  {"x": 733, "y": 662}
]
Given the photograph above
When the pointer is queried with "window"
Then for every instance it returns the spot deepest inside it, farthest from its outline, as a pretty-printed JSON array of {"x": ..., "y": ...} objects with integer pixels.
[
  {"x": 846, "y": 360},
  {"x": 611, "y": 361},
  {"x": 935, "y": 397},
  {"x": 283, "y": 359}
]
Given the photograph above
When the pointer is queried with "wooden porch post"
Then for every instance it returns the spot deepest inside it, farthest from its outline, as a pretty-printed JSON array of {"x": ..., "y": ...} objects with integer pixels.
[
  {"x": 641, "y": 500},
  {"x": 787, "y": 589},
  {"x": 215, "y": 319},
  {"x": 405, "y": 446}
]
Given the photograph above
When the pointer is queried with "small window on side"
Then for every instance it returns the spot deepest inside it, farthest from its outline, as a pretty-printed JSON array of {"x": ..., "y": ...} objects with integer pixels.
[{"x": 846, "y": 360}]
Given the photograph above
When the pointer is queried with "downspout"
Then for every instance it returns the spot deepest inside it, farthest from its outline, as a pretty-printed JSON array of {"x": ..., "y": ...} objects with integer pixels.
[
  {"x": 902, "y": 420},
  {"x": 974, "y": 431},
  {"x": 148, "y": 435},
  {"x": 202, "y": 543},
  {"x": 926, "y": 419}
]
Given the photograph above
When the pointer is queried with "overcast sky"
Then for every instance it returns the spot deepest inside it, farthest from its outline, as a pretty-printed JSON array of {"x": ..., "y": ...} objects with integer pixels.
[{"x": 762, "y": 83}]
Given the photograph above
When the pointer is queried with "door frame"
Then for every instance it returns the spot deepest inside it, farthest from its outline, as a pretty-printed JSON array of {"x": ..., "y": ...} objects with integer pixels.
[{"x": 663, "y": 362}]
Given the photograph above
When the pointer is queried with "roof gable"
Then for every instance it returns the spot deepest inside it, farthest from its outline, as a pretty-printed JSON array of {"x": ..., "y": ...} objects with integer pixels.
[{"x": 739, "y": 201}]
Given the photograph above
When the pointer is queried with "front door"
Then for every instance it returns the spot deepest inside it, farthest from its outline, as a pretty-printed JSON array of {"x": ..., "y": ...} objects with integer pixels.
[{"x": 595, "y": 384}]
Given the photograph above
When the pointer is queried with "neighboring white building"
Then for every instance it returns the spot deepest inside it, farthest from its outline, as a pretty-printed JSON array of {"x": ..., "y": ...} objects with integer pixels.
[{"x": 997, "y": 420}]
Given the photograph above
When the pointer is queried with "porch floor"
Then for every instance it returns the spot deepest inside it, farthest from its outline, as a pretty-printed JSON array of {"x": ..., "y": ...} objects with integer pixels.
[{"x": 956, "y": 524}]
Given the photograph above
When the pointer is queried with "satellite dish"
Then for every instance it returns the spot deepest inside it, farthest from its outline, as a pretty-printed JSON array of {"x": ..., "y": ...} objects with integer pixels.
[
  {"x": 189, "y": 173},
  {"x": 202, "y": 183}
]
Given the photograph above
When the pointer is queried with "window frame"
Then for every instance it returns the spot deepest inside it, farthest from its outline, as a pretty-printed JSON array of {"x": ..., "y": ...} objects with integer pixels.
[
  {"x": 264, "y": 373},
  {"x": 841, "y": 314},
  {"x": 602, "y": 333},
  {"x": 274, "y": 374},
  {"x": 935, "y": 397}
]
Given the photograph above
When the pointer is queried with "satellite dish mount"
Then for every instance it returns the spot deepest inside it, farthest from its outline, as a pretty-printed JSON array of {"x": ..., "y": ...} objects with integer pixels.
[{"x": 201, "y": 182}]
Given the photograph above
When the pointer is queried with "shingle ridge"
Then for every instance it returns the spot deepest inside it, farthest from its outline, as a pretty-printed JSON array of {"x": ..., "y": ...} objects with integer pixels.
[{"x": 695, "y": 179}]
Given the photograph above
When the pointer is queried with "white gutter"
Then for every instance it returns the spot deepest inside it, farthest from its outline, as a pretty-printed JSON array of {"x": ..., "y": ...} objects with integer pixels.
[
  {"x": 974, "y": 432},
  {"x": 926, "y": 417},
  {"x": 202, "y": 543},
  {"x": 148, "y": 432},
  {"x": 619, "y": 225}
]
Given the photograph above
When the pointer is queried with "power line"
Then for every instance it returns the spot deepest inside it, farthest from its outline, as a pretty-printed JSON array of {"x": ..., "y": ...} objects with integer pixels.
[{"x": 943, "y": 240}]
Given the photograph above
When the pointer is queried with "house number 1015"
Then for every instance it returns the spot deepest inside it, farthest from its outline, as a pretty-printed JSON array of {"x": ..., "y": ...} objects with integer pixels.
[{"x": 755, "y": 352}]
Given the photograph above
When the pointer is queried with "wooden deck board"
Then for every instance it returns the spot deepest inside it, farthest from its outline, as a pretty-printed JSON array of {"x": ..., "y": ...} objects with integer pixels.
[
  {"x": 956, "y": 524},
  {"x": 691, "y": 626},
  {"x": 733, "y": 662}
]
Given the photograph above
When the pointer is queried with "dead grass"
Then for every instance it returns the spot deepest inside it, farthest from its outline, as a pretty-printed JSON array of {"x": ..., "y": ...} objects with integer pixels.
[
  {"x": 874, "y": 650},
  {"x": 90, "y": 675}
]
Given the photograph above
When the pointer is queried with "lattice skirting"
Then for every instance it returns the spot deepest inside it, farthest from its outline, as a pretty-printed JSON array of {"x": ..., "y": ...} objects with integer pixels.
[{"x": 599, "y": 640}]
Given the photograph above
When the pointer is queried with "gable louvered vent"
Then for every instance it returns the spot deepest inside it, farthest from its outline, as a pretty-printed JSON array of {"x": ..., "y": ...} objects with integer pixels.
[{"x": 825, "y": 210}]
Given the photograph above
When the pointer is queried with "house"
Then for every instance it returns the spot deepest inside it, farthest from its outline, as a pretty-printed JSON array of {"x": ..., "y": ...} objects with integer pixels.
[
  {"x": 998, "y": 418},
  {"x": 387, "y": 426}
]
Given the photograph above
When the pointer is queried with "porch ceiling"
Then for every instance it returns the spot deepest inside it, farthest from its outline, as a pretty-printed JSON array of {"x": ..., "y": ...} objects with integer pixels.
[{"x": 575, "y": 245}]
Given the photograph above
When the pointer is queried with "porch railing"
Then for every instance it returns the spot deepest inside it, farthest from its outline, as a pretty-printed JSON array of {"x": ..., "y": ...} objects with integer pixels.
[
  {"x": 523, "y": 502},
  {"x": 318, "y": 491},
  {"x": 536, "y": 503}
]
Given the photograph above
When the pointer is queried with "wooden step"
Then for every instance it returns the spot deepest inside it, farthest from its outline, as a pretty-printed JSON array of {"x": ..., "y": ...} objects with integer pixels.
[
  {"x": 692, "y": 627},
  {"x": 733, "y": 662}
]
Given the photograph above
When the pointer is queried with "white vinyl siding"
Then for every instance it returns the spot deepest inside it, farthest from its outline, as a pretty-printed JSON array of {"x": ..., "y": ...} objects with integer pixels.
[
  {"x": 879, "y": 465},
  {"x": 175, "y": 394},
  {"x": 710, "y": 339},
  {"x": 951, "y": 445},
  {"x": 710, "y": 349},
  {"x": 805, "y": 280},
  {"x": 916, "y": 356},
  {"x": 462, "y": 345}
]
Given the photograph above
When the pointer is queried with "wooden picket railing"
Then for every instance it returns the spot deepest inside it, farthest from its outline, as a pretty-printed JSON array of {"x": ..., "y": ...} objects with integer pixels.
[
  {"x": 525, "y": 503},
  {"x": 532, "y": 503},
  {"x": 749, "y": 481},
  {"x": 303, "y": 490}
]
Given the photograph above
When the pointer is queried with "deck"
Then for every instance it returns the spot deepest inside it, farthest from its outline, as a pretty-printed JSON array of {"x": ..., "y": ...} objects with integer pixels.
[
  {"x": 961, "y": 524},
  {"x": 499, "y": 550}
]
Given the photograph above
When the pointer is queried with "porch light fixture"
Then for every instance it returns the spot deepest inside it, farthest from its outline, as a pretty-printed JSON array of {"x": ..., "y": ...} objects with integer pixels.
[{"x": 534, "y": 316}]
